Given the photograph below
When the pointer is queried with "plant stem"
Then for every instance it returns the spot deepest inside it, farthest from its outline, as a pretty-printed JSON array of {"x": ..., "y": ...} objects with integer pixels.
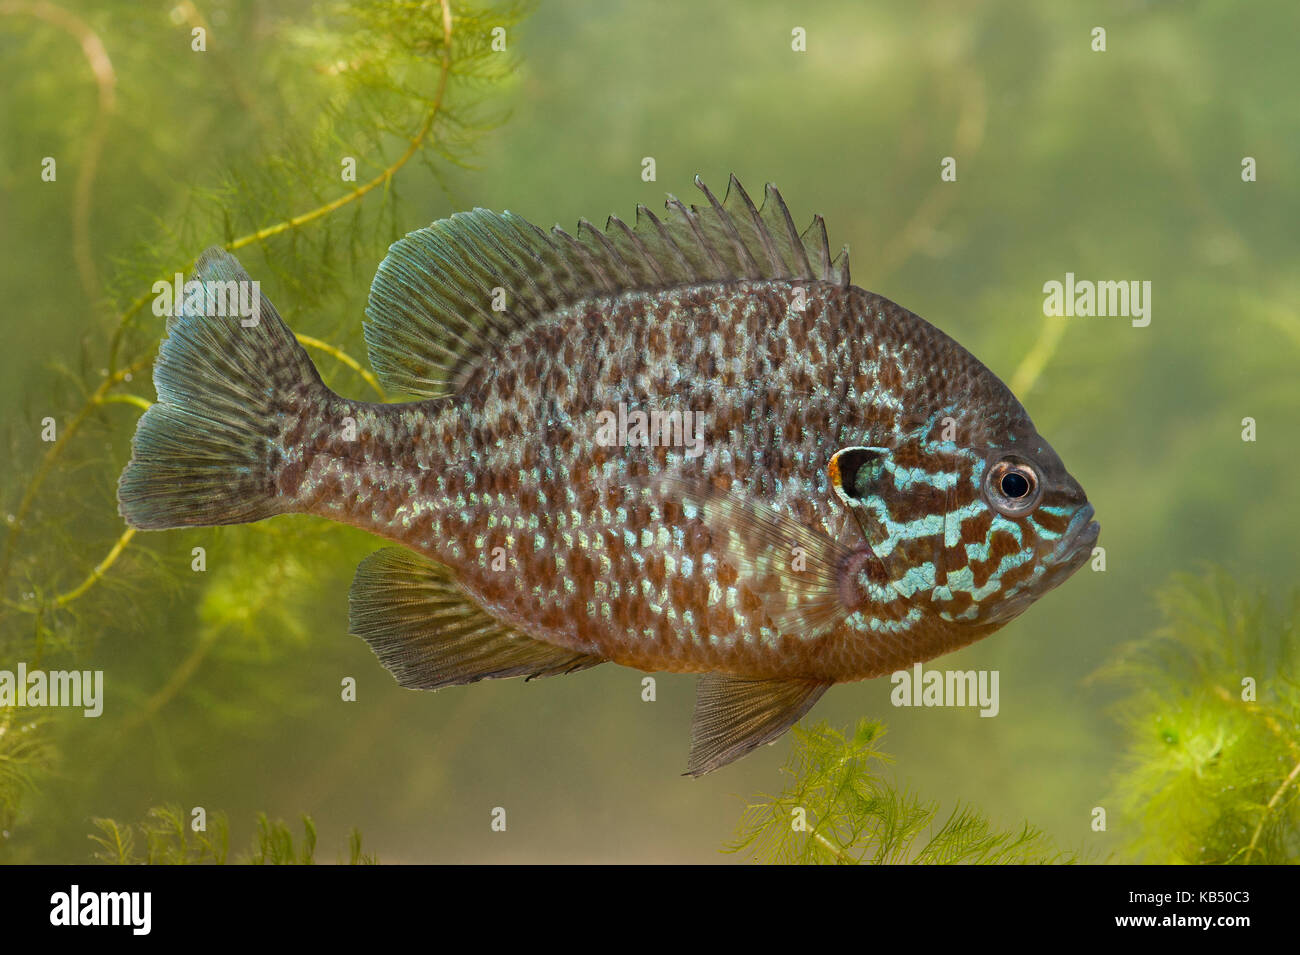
[
  {"x": 99, "y": 571},
  {"x": 347, "y": 359},
  {"x": 115, "y": 376},
  {"x": 832, "y": 848},
  {"x": 52, "y": 455},
  {"x": 1032, "y": 365},
  {"x": 1268, "y": 809},
  {"x": 101, "y": 66}
]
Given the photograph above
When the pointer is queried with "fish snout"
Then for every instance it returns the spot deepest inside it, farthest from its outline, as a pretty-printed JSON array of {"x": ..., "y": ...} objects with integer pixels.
[{"x": 1080, "y": 535}]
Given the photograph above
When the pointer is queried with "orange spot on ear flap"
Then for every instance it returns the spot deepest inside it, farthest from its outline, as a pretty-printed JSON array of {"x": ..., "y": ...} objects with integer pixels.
[{"x": 833, "y": 470}]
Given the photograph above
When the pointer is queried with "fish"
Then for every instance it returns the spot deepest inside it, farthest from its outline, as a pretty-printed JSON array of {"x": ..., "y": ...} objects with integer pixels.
[{"x": 688, "y": 445}]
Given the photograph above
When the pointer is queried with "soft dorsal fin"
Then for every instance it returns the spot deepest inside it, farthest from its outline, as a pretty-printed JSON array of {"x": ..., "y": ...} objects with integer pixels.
[
  {"x": 430, "y": 317},
  {"x": 428, "y": 632}
]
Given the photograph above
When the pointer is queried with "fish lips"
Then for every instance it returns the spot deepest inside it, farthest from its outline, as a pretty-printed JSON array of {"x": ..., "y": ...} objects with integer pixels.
[
  {"x": 1071, "y": 553},
  {"x": 1076, "y": 544}
]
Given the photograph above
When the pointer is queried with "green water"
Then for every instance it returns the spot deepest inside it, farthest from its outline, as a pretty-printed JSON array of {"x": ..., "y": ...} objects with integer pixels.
[{"x": 223, "y": 687}]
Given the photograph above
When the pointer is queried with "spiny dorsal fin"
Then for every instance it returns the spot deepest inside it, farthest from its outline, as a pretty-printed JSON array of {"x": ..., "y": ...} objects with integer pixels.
[
  {"x": 430, "y": 634},
  {"x": 430, "y": 317},
  {"x": 735, "y": 715}
]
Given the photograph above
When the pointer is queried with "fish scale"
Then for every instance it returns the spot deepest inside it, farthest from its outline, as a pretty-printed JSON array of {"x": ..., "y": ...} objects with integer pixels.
[{"x": 866, "y": 494}]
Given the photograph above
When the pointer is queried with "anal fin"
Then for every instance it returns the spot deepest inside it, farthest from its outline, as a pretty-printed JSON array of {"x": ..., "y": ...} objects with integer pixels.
[
  {"x": 429, "y": 633},
  {"x": 735, "y": 715}
]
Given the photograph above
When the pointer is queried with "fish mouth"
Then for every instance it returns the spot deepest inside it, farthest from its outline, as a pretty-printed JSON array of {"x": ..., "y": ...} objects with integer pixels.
[
  {"x": 1080, "y": 536},
  {"x": 1071, "y": 553}
]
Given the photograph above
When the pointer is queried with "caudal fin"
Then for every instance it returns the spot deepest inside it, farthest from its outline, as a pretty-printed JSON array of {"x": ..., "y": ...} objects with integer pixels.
[{"x": 229, "y": 386}]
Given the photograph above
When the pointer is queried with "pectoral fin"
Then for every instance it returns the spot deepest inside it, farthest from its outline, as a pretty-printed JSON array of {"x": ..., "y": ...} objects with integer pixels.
[
  {"x": 734, "y": 716},
  {"x": 795, "y": 570},
  {"x": 429, "y": 633}
]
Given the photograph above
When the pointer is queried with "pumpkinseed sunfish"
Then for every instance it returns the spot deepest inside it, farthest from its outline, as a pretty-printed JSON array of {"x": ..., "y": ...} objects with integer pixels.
[{"x": 689, "y": 446}]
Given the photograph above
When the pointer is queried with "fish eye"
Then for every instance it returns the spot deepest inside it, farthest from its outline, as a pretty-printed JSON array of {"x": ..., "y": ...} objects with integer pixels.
[
  {"x": 1015, "y": 484},
  {"x": 1013, "y": 487}
]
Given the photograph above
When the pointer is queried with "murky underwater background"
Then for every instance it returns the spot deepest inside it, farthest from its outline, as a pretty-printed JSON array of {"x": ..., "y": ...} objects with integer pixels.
[{"x": 222, "y": 688}]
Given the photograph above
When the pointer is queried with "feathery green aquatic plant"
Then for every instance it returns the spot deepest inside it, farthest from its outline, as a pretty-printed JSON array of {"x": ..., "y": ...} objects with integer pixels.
[
  {"x": 26, "y": 753},
  {"x": 167, "y": 839},
  {"x": 1211, "y": 772},
  {"x": 258, "y": 130},
  {"x": 838, "y": 809}
]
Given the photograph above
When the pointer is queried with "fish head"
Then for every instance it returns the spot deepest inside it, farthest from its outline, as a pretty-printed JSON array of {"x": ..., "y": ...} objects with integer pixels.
[
  {"x": 1026, "y": 528},
  {"x": 970, "y": 532}
]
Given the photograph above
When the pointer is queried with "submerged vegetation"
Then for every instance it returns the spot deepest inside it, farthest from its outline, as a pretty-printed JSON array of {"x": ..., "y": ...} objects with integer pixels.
[
  {"x": 26, "y": 753},
  {"x": 163, "y": 151},
  {"x": 1211, "y": 772},
  {"x": 839, "y": 809},
  {"x": 166, "y": 837},
  {"x": 305, "y": 189}
]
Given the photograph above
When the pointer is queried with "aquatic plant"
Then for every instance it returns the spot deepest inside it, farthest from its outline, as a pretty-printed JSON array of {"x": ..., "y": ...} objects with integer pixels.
[
  {"x": 306, "y": 186},
  {"x": 26, "y": 754},
  {"x": 1210, "y": 772},
  {"x": 164, "y": 837},
  {"x": 1211, "y": 768},
  {"x": 838, "y": 808},
  {"x": 1227, "y": 246}
]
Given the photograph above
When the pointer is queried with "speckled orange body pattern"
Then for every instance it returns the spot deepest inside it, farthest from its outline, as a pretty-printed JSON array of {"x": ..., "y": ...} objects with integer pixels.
[
  {"x": 848, "y": 491},
  {"x": 511, "y": 462}
]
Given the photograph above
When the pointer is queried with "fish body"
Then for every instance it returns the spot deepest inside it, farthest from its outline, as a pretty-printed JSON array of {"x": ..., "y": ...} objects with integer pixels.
[{"x": 692, "y": 446}]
